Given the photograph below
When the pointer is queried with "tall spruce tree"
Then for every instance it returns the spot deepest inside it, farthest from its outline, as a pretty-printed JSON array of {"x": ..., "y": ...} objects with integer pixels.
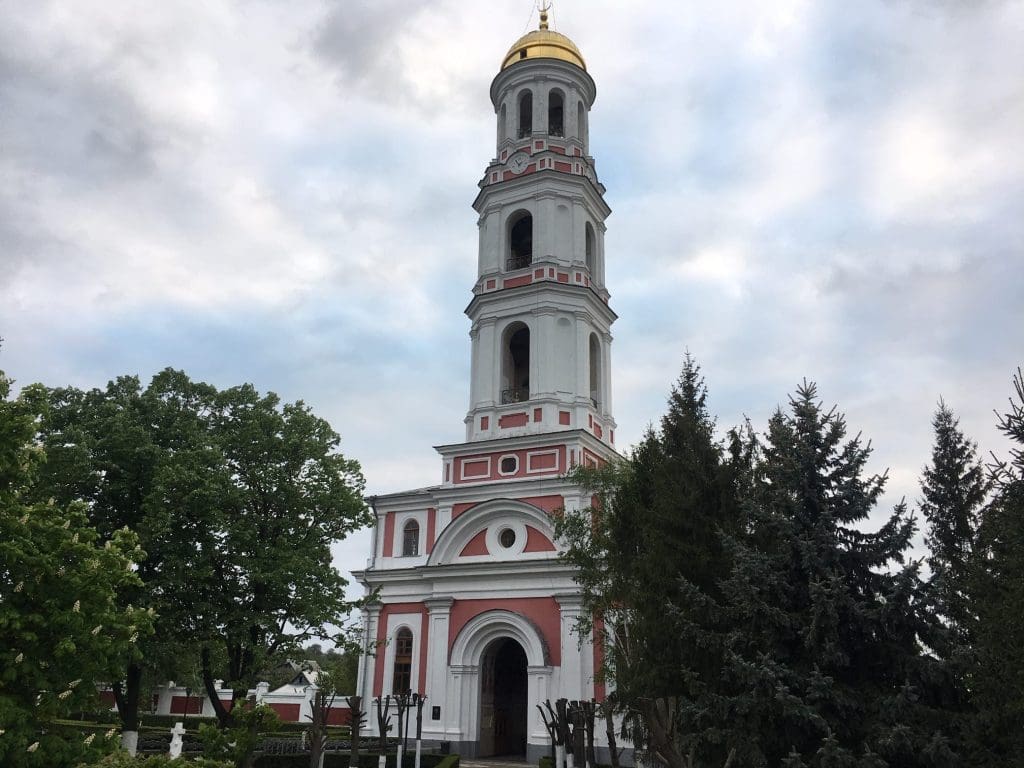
[
  {"x": 825, "y": 658},
  {"x": 953, "y": 489},
  {"x": 650, "y": 558},
  {"x": 997, "y": 596}
]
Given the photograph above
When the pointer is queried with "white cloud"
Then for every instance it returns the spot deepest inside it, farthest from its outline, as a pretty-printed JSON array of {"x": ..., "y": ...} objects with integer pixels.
[{"x": 280, "y": 192}]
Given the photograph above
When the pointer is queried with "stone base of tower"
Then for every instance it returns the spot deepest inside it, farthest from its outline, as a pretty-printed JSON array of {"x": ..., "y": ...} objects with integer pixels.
[{"x": 475, "y": 610}]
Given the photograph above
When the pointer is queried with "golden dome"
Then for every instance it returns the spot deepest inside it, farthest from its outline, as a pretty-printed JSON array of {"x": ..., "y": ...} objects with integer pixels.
[{"x": 544, "y": 43}]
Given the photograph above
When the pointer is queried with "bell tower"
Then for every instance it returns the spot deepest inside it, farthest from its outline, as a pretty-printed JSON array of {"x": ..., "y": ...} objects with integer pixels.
[
  {"x": 473, "y": 605},
  {"x": 541, "y": 343}
]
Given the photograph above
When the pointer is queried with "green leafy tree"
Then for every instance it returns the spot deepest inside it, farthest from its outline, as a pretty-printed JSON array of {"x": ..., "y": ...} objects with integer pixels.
[
  {"x": 282, "y": 493},
  {"x": 649, "y": 559},
  {"x": 108, "y": 449},
  {"x": 61, "y": 627},
  {"x": 997, "y": 596},
  {"x": 825, "y": 657}
]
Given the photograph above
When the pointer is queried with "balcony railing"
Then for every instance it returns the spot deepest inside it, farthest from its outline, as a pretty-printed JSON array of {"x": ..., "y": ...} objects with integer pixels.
[
  {"x": 518, "y": 262},
  {"x": 515, "y": 395}
]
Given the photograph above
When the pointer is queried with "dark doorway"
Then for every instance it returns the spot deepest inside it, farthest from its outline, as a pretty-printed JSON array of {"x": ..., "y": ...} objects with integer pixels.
[{"x": 503, "y": 699}]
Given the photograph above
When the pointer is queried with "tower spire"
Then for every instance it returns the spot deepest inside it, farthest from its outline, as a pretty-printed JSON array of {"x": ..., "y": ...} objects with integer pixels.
[{"x": 544, "y": 8}]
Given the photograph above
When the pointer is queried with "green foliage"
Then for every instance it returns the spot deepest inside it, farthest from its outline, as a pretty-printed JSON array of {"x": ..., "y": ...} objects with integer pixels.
[
  {"x": 953, "y": 489},
  {"x": 60, "y": 625},
  {"x": 997, "y": 597},
  {"x": 239, "y": 742},
  {"x": 121, "y": 759},
  {"x": 237, "y": 499},
  {"x": 825, "y": 655},
  {"x": 649, "y": 558}
]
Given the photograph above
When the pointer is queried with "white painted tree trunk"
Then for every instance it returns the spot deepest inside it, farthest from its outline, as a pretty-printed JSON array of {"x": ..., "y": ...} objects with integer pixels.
[
  {"x": 559, "y": 755},
  {"x": 130, "y": 742},
  {"x": 419, "y": 746}
]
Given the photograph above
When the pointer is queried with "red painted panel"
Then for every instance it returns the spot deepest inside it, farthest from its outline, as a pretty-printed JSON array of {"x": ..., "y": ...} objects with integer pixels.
[
  {"x": 474, "y": 469},
  {"x": 598, "y": 431},
  {"x": 542, "y": 461},
  {"x": 424, "y": 629},
  {"x": 458, "y": 509},
  {"x": 542, "y": 611},
  {"x": 538, "y": 414},
  {"x": 195, "y": 705},
  {"x": 389, "y": 533},
  {"x": 561, "y": 166},
  {"x": 382, "y": 636},
  {"x": 431, "y": 528},
  {"x": 577, "y": 152},
  {"x": 507, "y": 175},
  {"x": 613, "y": 435},
  {"x": 564, "y": 418},
  {"x": 485, "y": 422},
  {"x": 559, "y": 150},
  {"x": 563, "y": 277},
  {"x": 551, "y": 272},
  {"x": 537, "y": 541},
  {"x": 538, "y": 145},
  {"x": 515, "y": 282},
  {"x": 287, "y": 712},
  {"x": 579, "y": 278},
  {"x": 339, "y": 716},
  {"x": 538, "y": 273},
  {"x": 548, "y": 503},
  {"x": 490, "y": 284},
  {"x": 475, "y": 546},
  {"x": 513, "y": 420}
]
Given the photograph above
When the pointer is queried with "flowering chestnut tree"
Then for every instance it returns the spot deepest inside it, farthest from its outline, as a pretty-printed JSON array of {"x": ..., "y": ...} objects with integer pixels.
[{"x": 61, "y": 627}]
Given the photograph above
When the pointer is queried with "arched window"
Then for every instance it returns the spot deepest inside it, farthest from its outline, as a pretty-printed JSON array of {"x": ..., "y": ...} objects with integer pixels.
[
  {"x": 589, "y": 247},
  {"x": 503, "y": 124},
  {"x": 520, "y": 241},
  {"x": 581, "y": 123},
  {"x": 402, "y": 678},
  {"x": 525, "y": 113},
  {"x": 411, "y": 539},
  {"x": 556, "y": 120},
  {"x": 595, "y": 370},
  {"x": 515, "y": 374}
]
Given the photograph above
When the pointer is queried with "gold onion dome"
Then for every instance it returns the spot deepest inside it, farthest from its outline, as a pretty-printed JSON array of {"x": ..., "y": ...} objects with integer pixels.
[{"x": 544, "y": 43}]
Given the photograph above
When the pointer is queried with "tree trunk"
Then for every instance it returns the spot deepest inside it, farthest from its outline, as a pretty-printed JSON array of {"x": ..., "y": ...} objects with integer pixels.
[
  {"x": 609, "y": 729},
  {"x": 223, "y": 715},
  {"x": 127, "y": 701}
]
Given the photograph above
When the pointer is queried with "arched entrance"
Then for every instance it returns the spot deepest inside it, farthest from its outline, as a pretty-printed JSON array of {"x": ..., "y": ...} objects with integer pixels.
[{"x": 503, "y": 695}]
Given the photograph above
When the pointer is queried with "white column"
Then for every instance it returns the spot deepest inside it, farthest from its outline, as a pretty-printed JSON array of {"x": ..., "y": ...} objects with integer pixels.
[
  {"x": 573, "y": 677},
  {"x": 439, "y": 612},
  {"x": 539, "y": 691},
  {"x": 490, "y": 364},
  {"x": 606, "y": 376},
  {"x": 542, "y": 364},
  {"x": 582, "y": 388},
  {"x": 371, "y": 618}
]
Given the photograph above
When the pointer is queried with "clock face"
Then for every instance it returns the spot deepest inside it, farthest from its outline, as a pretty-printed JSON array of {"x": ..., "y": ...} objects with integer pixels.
[{"x": 518, "y": 162}]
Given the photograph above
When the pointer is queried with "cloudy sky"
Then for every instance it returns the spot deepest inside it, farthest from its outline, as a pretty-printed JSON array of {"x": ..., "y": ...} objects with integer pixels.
[{"x": 279, "y": 192}]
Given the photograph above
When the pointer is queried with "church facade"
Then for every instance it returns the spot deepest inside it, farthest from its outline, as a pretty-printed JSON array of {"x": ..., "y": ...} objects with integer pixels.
[{"x": 475, "y": 609}]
